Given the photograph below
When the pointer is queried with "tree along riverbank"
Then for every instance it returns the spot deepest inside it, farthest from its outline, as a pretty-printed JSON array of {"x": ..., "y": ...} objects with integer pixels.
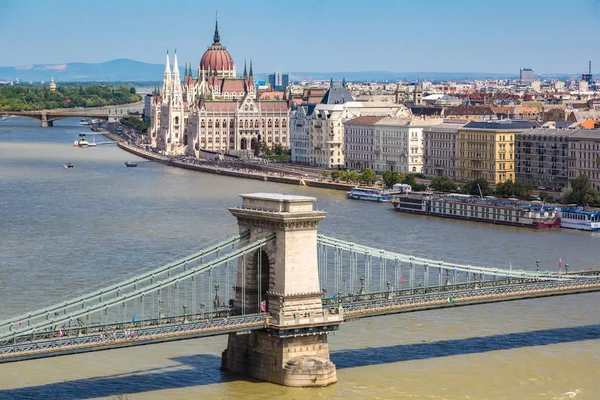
[{"x": 35, "y": 98}]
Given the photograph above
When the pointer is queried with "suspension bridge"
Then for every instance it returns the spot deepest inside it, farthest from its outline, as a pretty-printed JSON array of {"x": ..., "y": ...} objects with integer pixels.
[{"x": 277, "y": 289}]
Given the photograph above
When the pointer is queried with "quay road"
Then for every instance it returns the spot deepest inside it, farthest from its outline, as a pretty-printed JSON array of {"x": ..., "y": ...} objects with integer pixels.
[
  {"x": 237, "y": 169},
  {"x": 81, "y": 339}
]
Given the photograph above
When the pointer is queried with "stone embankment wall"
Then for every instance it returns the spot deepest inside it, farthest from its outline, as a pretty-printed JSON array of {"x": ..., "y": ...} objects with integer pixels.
[{"x": 231, "y": 168}]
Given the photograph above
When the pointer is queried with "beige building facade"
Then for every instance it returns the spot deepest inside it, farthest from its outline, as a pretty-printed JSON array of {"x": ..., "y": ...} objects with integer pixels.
[
  {"x": 386, "y": 143},
  {"x": 327, "y": 134}
]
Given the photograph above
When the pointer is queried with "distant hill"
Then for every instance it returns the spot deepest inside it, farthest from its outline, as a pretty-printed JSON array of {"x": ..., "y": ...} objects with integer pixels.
[
  {"x": 382, "y": 76},
  {"x": 124, "y": 69},
  {"x": 121, "y": 69}
]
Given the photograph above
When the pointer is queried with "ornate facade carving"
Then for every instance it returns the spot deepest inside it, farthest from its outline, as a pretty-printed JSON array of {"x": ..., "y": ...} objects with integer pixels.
[{"x": 215, "y": 110}]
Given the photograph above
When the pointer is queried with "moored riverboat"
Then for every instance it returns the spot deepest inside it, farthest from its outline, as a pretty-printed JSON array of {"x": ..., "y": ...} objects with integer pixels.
[
  {"x": 579, "y": 218},
  {"x": 82, "y": 142},
  {"x": 470, "y": 208},
  {"x": 369, "y": 194}
]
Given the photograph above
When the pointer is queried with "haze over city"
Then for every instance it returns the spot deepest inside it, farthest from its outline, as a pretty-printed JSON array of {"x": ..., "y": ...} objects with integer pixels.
[{"x": 434, "y": 36}]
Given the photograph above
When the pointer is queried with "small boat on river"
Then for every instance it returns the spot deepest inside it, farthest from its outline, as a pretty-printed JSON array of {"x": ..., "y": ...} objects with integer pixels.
[
  {"x": 82, "y": 142},
  {"x": 68, "y": 165},
  {"x": 368, "y": 194},
  {"x": 130, "y": 164}
]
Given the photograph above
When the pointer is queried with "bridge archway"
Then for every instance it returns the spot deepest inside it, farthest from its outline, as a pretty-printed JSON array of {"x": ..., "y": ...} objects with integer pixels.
[{"x": 264, "y": 279}]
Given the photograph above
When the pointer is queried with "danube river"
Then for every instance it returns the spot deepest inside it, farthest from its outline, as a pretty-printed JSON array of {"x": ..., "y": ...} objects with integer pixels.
[{"x": 64, "y": 231}]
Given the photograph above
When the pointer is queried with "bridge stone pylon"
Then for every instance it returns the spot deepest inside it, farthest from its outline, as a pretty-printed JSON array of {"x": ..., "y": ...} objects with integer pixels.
[{"x": 283, "y": 277}]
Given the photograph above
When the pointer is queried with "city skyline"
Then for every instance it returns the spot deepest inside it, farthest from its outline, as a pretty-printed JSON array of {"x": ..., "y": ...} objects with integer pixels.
[{"x": 464, "y": 36}]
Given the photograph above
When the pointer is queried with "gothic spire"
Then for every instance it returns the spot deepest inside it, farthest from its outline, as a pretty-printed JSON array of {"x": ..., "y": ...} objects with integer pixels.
[
  {"x": 168, "y": 64},
  {"x": 175, "y": 65},
  {"x": 251, "y": 76},
  {"x": 167, "y": 79},
  {"x": 216, "y": 37},
  {"x": 245, "y": 72}
]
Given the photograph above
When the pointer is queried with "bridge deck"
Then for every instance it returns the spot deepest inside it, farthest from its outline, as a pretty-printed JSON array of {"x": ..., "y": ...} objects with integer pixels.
[{"x": 351, "y": 307}]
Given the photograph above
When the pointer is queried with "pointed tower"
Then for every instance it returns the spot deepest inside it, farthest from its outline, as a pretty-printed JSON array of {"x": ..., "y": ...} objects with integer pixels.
[
  {"x": 251, "y": 77},
  {"x": 166, "y": 89},
  {"x": 176, "y": 81},
  {"x": 216, "y": 37},
  {"x": 245, "y": 71},
  {"x": 418, "y": 93}
]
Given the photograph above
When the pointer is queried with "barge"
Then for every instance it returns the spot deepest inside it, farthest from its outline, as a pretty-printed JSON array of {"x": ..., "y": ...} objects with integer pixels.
[{"x": 470, "y": 208}]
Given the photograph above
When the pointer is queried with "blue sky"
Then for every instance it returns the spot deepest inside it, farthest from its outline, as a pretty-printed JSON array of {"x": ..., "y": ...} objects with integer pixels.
[{"x": 317, "y": 36}]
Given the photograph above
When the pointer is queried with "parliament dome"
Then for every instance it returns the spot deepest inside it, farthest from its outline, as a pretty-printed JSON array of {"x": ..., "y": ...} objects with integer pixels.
[{"x": 217, "y": 58}]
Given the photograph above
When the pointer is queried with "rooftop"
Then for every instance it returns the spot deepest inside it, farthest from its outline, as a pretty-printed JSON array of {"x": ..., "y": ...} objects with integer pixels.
[
  {"x": 337, "y": 95},
  {"x": 586, "y": 134},
  {"x": 547, "y": 132},
  {"x": 503, "y": 125},
  {"x": 363, "y": 120},
  {"x": 277, "y": 197}
]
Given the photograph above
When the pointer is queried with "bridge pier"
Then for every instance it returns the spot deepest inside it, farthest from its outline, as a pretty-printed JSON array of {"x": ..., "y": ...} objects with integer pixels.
[
  {"x": 45, "y": 122},
  {"x": 282, "y": 280}
]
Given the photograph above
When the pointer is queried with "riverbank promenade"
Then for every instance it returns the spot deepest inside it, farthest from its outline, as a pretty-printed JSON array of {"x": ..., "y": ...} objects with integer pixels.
[{"x": 236, "y": 169}]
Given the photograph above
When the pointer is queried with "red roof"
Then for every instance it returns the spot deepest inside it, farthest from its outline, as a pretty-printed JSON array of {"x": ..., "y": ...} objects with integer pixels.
[
  {"x": 271, "y": 95},
  {"x": 216, "y": 58},
  {"x": 364, "y": 120},
  {"x": 233, "y": 85},
  {"x": 273, "y": 106},
  {"x": 220, "y": 106}
]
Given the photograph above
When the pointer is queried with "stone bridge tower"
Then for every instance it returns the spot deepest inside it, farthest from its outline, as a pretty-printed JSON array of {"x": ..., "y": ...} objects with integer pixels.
[{"x": 293, "y": 350}]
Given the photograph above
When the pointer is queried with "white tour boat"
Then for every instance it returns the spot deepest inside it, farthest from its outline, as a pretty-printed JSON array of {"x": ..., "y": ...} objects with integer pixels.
[{"x": 579, "y": 218}]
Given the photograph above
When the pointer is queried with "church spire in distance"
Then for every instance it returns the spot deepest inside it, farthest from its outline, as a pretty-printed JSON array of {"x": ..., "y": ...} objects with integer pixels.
[{"x": 216, "y": 37}]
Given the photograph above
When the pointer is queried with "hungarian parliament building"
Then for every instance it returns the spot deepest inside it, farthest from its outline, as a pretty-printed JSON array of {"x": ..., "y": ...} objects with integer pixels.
[{"x": 216, "y": 110}]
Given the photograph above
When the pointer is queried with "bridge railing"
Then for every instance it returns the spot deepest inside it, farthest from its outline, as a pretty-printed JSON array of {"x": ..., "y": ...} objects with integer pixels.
[
  {"x": 133, "y": 284},
  {"x": 363, "y": 304},
  {"x": 193, "y": 288},
  {"x": 172, "y": 292},
  {"x": 113, "y": 335},
  {"x": 346, "y": 267}
]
